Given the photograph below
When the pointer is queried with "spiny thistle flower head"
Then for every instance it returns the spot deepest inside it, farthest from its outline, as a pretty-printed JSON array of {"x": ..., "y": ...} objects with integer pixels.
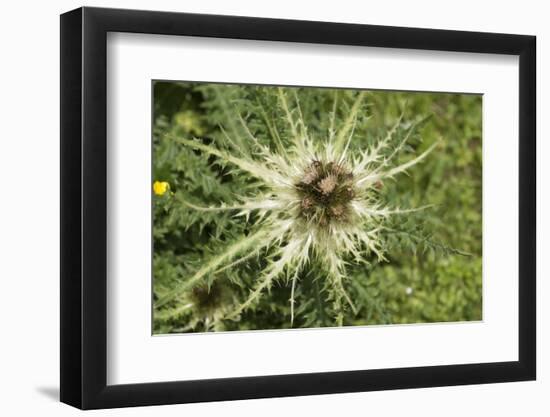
[
  {"x": 210, "y": 303},
  {"x": 207, "y": 299},
  {"x": 316, "y": 202},
  {"x": 204, "y": 306},
  {"x": 326, "y": 191}
]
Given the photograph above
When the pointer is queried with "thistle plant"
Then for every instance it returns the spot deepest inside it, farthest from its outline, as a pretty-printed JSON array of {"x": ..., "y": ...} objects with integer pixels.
[{"x": 306, "y": 199}]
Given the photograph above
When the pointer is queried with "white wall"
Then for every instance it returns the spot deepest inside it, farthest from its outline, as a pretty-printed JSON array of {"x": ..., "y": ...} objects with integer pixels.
[{"x": 29, "y": 265}]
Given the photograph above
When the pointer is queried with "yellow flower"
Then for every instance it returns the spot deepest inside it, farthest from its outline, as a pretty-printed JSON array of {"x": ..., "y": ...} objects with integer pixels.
[
  {"x": 190, "y": 122},
  {"x": 160, "y": 187}
]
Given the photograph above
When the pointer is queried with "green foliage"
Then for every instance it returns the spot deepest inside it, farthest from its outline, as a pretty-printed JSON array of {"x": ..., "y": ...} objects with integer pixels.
[{"x": 433, "y": 267}]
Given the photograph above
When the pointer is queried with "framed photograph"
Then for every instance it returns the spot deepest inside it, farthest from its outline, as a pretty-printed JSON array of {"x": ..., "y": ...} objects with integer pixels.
[{"x": 257, "y": 208}]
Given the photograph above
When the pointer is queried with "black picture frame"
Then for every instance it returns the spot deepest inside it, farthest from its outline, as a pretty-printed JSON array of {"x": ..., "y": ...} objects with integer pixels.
[{"x": 84, "y": 207}]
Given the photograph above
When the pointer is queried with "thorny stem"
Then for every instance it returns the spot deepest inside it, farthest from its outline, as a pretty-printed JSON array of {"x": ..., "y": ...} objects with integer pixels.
[
  {"x": 429, "y": 242},
  {"x": 214, "y": 264}
]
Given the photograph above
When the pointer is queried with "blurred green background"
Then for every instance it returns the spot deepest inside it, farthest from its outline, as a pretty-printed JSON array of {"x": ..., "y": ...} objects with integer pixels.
[{"x": 424, "y": 281}]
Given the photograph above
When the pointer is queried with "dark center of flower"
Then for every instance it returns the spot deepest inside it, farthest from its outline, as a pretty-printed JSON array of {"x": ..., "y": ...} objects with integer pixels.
[{"x": 325, "y": 190}]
